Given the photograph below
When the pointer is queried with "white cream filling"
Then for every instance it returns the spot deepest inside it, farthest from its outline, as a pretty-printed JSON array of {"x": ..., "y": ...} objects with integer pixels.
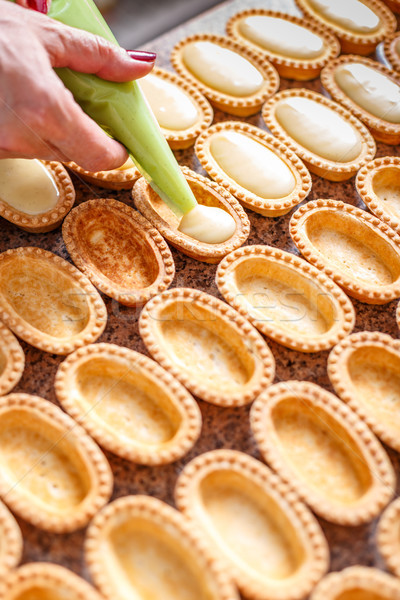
[
  {"x": 319, "y": 129},
  {"x": 172, "y": 108},
  {"x": 282, "y": 37},
  {"x": 371, "y": 90},
  {"x": 252, "y": 165},
  {"x": 349, "y": 14},
  {"x": 222, "y": 69},
  {"x": 208, "y": 224},
  {"x": 27, "y": 186}
]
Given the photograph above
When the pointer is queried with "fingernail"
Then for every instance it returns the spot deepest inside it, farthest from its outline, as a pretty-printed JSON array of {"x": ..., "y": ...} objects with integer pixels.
[
  {"x": 39, "y": 5},
  {"x": 141, "y": 55}
]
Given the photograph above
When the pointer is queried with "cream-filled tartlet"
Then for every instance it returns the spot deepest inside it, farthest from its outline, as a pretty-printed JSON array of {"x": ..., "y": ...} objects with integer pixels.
[
  {"x": 298, "y": 48},
  {"x": 121, "y": 178}
]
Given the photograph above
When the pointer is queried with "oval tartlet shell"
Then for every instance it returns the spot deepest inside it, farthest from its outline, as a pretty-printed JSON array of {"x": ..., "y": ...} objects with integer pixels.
[
  {"x": 184, "y": 139},
  {"x": 234, "y": 105},
  {"x": 263, "y": 206},
  {"x": 352, "y": 42},
  {"x": 358, "y": 580},
  {"x": 96, "y": 311},
  {"x": 371, "y": 294},
  {"x": 389, "y": 48},
  {"x": 365, "y": 184},
  {"x": 10, "y": 542},
  {"x": 338, "y": 371},
  {"x": 14, "y": 360},
  {"x": 49, "y": 220},
  {"x": 250, "y": 349},
  {"x": 155, "y": 252},
  {"x": 382, "y": 131},
  {"x": 207, "y": 193},
  {"x": 290, "y": 68},
  {"x": 115, "y": 179},
  {"x": 344, "y": 312},
  {"x": 328, "y": 169},
  {"x": 32, "y": 578},
  {"x": 162, "y": 383},
  {"x": 368, "y": 453},
  {"x": 59, "y": 426},
  {"x": 173, "y": 527},
  {"x": 388, "y": 536},
  {"x": 280, "y": 499}
]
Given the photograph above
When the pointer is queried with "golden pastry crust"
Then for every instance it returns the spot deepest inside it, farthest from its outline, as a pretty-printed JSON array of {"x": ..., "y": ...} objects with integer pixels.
[
  {"x": 290, "y": 68},
  {"x": 116, "y": 179},
  {"x": 377, "y": 182},
  {"x": 52, "y": 218},
  {"x": 360, "y": 233},
  {"x": 241, "y": 106},
  {"x": 45, "y": 440},
  {"x": 262, "y": 206},
  {"x": 328, "y": 169},
  {"x": 389, "y": 48},
  {"x": 10, "y": 542},
  {"x": 358, "y": 580},
  {"x": 166, "y": 222},
  {"x": 264, "y": 497},
  {"x": 167, "y": 526},
  {"x": 307, "y": 282},
  {"x": 394, "y": 5},
  {"x": 374, "y": 350},
  {"x": 225, "y": 340},
  {"x": 387, "y": 536},
  {"x": 64, "y": 301},
  {"x": 302, "y": 415},
  {"x": 148, "y": 268},
  {"x": 12, "y": 360},
  {"x": 48, "y": 579},
  {"x": 352, "y": 42},
  {"x": 382, "y": 130},
  {"x": 171, "y": 410},
  {"x": 184, "y": 139}
]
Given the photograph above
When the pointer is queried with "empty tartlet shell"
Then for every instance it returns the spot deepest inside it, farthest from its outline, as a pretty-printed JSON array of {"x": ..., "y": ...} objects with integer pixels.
[
  {"x": 50, "y": 417},
  {"x": 328, "y": 169},
  {"x": 49, "y": 220},
  {"x": 10, "y": 542},
  {"x": 352, "y": 42},
  {"x": 374, "y": 458},
  {"x": 180, "y": 399},
  {"x": 153, "y": 247},
  {"x": 186, "y": 137},
  {"x": 115, "y": 179},
  {"x": 172, "y": 524},
  {"x": 340, "y": 378},
  {"x": 206, "y": 192},
  {"x": 382, "y": 131},
  {"x": 234, "y": 105},
  {"x": 365, "y": 184},
  {"x": 387, "y": 536},
  {"x": 263, "y": 206},
  {"x": 14, "y": 360},
  {"x": 352, "y": 285},
  {"x": 242, "y": 333},
  {"x": 97, "y": 313},
  {"x": 357, "y": 579},
  {"x": 290, "y": 68},
  {"x": 389, "y": 48},
  {"x": 345, "y": 317},
  {"x": 281, "y": 496},
  {"x": 53, "y": 579}
]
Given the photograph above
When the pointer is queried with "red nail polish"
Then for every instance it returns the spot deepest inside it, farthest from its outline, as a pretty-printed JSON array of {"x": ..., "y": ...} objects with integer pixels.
[
  {"x": 143, "y": 56},
  {"x": 39, "y": 5}
]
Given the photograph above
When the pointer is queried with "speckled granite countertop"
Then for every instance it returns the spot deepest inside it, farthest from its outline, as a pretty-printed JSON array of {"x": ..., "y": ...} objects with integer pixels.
[{"x": 222, "y": 428}]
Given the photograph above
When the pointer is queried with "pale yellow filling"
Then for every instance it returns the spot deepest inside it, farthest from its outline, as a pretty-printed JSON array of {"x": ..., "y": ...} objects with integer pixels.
[
  {"x": 208, "y": 224},
  {"x": 27, "y": 186},
  {"x": 128, "y": 164},
  {"x": 172, "y": 107},
  {"x": 252, "y": 165},
  {"x": 222, "y": 69},
  {"x": 348, "y": 14},
  {"x": 282, "y": 37},
  {"x": 319, "y": 129}
]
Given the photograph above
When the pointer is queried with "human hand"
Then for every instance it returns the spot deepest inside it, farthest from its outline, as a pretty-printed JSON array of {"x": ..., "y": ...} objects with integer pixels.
[{"x": 38, "y": 116}]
